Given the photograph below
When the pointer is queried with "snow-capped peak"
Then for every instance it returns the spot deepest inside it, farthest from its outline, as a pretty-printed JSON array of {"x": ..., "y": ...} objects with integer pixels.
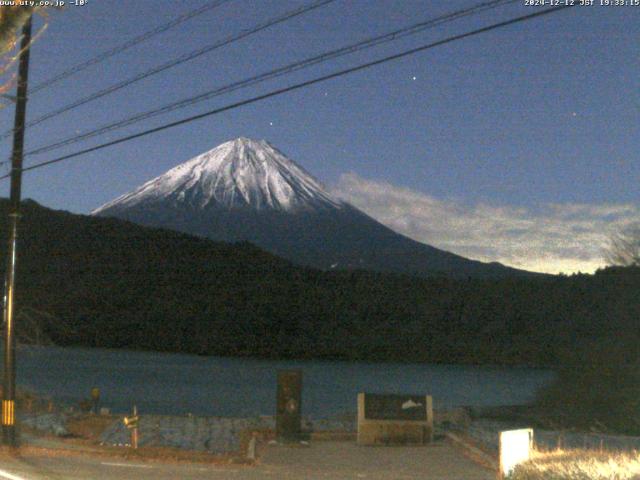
[{"x": 240, "y": 173}]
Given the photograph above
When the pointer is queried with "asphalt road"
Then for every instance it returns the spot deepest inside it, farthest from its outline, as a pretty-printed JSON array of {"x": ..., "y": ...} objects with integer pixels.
[{"x": 322, "y": 460}]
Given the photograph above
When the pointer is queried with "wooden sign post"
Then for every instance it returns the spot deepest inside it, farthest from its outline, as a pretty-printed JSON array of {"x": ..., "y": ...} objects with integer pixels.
[
  {"x": 289, "y": 406},
  {"x": 132, "y": 424}
]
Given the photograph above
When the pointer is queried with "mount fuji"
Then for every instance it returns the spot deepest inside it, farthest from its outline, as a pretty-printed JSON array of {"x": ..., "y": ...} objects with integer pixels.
[{"x": 247, "y": 190}]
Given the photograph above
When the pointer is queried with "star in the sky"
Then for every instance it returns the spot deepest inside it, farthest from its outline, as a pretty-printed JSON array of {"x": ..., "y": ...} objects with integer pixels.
[{"x": 414, "y": 78}]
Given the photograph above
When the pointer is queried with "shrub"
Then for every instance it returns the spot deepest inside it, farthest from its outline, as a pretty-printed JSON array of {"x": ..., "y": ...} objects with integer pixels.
[{"x": 597, "y": 387}]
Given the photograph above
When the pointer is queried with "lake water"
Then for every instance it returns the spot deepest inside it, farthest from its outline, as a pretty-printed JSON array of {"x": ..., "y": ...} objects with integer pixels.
[{"x": 163, "y": 383}]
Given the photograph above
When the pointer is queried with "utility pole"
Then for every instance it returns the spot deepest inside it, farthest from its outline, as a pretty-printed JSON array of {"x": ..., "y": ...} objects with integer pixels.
[{"x": 9, "y": 385}]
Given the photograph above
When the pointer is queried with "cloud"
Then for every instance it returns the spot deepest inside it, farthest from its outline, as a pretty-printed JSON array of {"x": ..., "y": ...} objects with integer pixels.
[{"x": 553, "y": 238}]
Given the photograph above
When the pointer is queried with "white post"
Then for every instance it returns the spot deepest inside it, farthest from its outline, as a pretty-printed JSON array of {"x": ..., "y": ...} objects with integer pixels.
[{"x": 515, "y": 448}]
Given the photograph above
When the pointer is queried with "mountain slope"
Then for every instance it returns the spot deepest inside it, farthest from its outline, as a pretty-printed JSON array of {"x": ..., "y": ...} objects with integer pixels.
[{"x": 246, "y": 190}]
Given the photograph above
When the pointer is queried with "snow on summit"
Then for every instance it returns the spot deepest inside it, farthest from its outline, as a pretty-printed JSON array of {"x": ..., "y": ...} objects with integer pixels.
[{"x": 237, "y": 174}]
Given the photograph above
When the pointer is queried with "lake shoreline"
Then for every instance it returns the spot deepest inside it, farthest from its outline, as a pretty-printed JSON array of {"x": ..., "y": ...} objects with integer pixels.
[
  {"x": 163, "y": 383},
  {"x": 310, "y": 358}
]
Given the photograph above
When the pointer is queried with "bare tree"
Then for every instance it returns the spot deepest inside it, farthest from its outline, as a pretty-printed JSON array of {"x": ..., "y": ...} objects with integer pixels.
[
  {"x": 12, "y": 18},
  {"x": 624, "y": 248}
]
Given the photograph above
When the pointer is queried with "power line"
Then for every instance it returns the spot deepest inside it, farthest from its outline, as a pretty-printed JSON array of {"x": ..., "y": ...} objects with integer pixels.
[
  {"x": 182, "y": 59},
  {"x": 127, "y": 45},
  {"x": 298, "y": 86},
  {"x": 290, "y": 68}
]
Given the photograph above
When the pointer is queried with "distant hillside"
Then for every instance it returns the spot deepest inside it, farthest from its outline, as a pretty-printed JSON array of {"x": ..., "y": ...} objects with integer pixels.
[{"x": 109, "y": 283}]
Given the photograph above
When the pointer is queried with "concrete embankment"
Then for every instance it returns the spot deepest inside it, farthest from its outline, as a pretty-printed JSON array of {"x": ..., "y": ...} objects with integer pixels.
[{"x": 217, "y": 434}]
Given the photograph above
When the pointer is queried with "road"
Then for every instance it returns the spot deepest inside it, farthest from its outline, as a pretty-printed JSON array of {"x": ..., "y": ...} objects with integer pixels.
[{"x": 321, "y": 460}]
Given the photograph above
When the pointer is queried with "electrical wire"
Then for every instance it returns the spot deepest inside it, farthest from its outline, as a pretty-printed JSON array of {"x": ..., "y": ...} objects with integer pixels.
[
  {"x": 278, "y": 72},
  {"x": 182, "y": 59},
  {"x": 126, "y": 45},
  {"x": 298, "y": 86}
]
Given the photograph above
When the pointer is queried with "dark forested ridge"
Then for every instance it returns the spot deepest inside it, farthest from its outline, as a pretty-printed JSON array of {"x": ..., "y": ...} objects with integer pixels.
[{"x": 109, "y": 283}]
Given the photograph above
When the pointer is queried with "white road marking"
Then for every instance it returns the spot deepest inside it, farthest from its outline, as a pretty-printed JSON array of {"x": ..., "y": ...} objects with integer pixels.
[
  {"x": 215, "y": 468},
  {"x": 132, "y": 465},
  {"x": 9, "y": 476}
]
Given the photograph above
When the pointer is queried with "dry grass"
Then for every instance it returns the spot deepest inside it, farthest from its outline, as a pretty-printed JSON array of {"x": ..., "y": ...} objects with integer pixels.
[{"x": 579, "y": 465}]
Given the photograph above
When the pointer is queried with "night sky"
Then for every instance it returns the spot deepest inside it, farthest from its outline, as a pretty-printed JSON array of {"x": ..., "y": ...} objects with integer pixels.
[{"x": 520, "y": 145}]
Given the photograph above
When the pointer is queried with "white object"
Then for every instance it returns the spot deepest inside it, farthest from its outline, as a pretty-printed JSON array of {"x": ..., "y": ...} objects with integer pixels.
[
  {"x": 515, "y": 448},
  {"x": 251, "y": 449},
  {"x": 410, "y": 404}
]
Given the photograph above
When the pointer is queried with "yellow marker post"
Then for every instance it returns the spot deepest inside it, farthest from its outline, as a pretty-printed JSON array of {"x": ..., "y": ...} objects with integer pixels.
[
  {"x": 132, "y": 424},
  {"x": 8, "y": 413},
  {"x": 95, "y": 399}
]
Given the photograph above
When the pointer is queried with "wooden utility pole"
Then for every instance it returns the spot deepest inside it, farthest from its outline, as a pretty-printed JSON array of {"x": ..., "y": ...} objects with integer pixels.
[{"x": 9, "y": 385}]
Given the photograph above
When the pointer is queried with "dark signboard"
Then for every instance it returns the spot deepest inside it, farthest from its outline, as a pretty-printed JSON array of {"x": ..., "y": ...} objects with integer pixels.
[
  {"x": 395, "y": 407},
  {"x": 288, "y": 405}
]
